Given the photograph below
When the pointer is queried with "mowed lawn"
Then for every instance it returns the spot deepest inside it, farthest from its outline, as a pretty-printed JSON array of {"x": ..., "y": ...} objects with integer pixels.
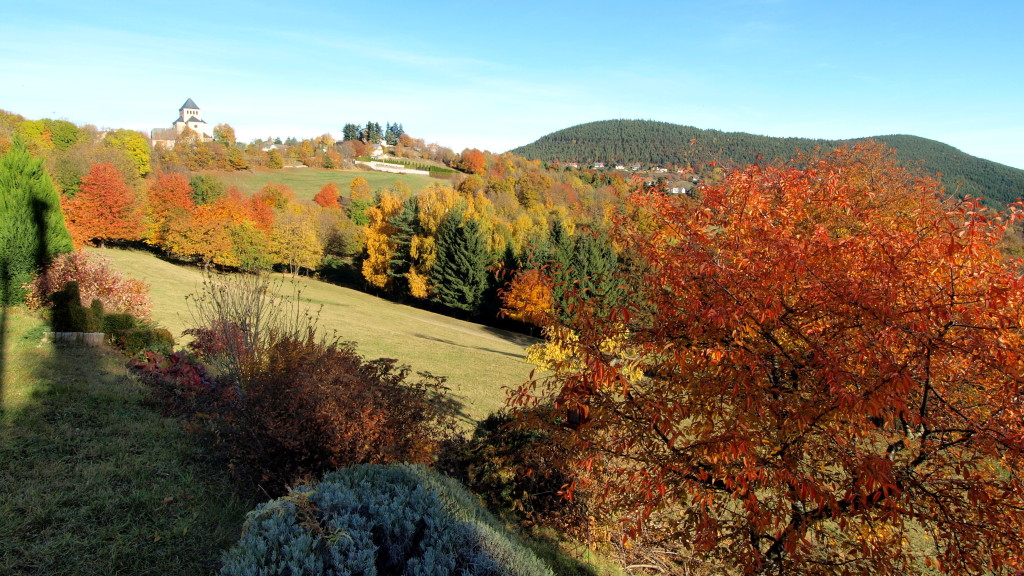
[
  {"x": 478, "y": 361},
  {"x": 306, "y": 182}
]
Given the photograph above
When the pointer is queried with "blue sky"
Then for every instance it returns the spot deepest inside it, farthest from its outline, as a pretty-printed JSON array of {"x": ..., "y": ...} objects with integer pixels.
[{"x": 498, "y": 75}]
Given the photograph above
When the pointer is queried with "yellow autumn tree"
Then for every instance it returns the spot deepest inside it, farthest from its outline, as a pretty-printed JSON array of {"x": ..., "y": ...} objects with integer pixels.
[
  {"x": 378, "y": 246},
  {"x": 360, "y": 190},
  {"x": 293, "y": 239}
]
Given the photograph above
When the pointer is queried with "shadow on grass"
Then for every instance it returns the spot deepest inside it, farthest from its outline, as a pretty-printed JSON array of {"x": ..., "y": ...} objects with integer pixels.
[
  {"x": 516, "y": 338},
  {"x": 92, "y": 479},
  {"x": 520, "y": 356}
]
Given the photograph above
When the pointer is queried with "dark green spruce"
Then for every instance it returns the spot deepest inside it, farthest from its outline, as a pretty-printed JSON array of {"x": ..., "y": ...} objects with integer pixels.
[{"x": 459, "y": 274}]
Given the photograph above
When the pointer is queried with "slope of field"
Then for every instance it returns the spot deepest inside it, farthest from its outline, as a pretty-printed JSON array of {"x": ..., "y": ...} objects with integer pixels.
[
  {"x": 477, "y": 360},
  {"x": 306, "y": 182},
  {"x": 661, "y": 143}
]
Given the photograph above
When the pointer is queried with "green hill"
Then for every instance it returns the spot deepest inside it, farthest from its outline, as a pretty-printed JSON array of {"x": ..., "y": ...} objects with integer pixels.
[
  {"x": 306, "y": 182},
  {"x": 652, "y": 143}
]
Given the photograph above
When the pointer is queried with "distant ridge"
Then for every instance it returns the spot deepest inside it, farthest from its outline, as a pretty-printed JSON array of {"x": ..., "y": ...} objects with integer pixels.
[{"x": 651, "y": 143}]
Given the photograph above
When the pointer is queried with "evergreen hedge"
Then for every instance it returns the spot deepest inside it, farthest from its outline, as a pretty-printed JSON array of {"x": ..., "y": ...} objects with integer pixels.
[{"x": 32, "y": 229}]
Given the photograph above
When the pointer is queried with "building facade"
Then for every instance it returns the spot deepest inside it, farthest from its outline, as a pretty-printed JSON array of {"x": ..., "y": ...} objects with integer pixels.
[{"x": 189, "y": 116}]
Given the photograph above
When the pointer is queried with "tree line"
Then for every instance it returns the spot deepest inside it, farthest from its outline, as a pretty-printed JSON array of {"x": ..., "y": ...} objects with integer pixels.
[{"x": 454, "y": 246}]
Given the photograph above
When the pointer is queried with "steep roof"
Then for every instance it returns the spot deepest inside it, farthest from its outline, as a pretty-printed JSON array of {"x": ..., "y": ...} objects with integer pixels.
[{"x": 189, "y": 104}]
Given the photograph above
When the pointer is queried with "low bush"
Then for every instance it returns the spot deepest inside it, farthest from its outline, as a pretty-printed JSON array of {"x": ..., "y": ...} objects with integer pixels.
[
  {"x": 303, "y": 404},
  {"x": 183, "y": 386},
  {"x": 98, "y": 312},
  {"x": 132, "y": 341},
  {"x": 114, "y": 322},
  {"x": 515, "y": 470},
  {"x": 96, "y": 280},
  {"x": 319, "y": 407},
  {"x": 378, "y": 520}
]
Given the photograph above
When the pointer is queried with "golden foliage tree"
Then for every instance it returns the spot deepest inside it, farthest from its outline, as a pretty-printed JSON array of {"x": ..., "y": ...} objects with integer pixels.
[
  {"x": 379, "y": 248},
  {"x": 293, "y": 239}
]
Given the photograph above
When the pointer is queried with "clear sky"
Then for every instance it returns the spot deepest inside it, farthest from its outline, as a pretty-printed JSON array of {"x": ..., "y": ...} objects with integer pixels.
[{"x": 498, "y": 75}]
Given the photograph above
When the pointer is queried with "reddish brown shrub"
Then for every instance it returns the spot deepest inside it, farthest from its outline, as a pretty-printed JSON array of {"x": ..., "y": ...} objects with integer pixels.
[
  {"x": 96, "y": 281},
  {"x": 183, "y": 386},
  {"x": 313, "y": 407},
  {"x": 321, "y": 406}
]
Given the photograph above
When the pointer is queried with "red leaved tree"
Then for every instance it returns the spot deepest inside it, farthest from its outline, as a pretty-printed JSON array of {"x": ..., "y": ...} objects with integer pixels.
[
  {"x": 820, "y": 372},
  {"x": 328, "y": 196},
  {"x": 104, "y": 209},
  {"x": 170, "y": 198}
]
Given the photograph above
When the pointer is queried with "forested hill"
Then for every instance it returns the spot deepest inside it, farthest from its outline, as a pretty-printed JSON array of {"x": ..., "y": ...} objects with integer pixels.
[{"x": 652, "y": 143}]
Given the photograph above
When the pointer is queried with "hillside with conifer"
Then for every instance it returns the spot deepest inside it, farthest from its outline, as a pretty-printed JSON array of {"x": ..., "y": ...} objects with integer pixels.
[{"x": 649, "y": 143}]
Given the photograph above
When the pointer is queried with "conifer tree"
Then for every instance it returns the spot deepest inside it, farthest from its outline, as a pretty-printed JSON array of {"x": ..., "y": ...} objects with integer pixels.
[
  {"x": 405, "y": 225},
  {"x": 392, "y": 133},
  {"x": 373, "y": 133},
  {"x": 584, "y": 268},
  {"x": 32, "y": 229},
  {"x": 459, "y": 275},
  {"x": 351, "y": 132}
]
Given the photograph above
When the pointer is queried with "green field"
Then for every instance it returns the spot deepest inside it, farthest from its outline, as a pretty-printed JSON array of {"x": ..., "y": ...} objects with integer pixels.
[
  {"x": 478, "y": 361},
  {"x": 92, "y": 479},
  {"x": 306, "y": 182}
]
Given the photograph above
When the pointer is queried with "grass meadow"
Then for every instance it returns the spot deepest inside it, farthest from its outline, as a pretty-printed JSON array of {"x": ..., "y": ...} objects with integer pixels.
[
  {"x": 478, "y": 361},
  {"x": 93, "y": 480},
  {"x": 306, "y": 182}
]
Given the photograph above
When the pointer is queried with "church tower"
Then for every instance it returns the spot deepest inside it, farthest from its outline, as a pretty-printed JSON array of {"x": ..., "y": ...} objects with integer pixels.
[
  {"x": 189, "y": 110},
  {"x": 189, "y": 116}
]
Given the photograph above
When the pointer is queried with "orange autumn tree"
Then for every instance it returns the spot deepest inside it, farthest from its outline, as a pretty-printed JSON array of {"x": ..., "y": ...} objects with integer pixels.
[
  {"x": 474, "y": 161},
  {"x": 328, "y": 196},
  {"x": 265, "y": 204},
  {"x": 820, "y": 371},
  {"x": 223, "y": 232},
  {"x": 170, "y": 198},
  {"x": 105, "y": 208},
  {"x": 528, "y": 297}
]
